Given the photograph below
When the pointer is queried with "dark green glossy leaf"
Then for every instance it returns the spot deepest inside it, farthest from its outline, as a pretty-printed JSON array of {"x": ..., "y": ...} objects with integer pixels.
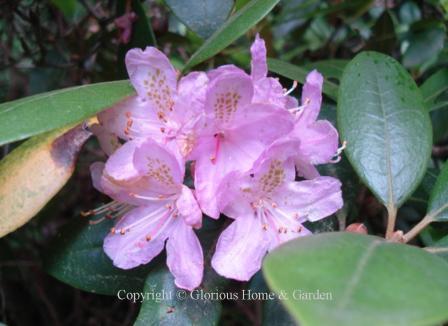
[
  {"x": 422, "y": 193},
  {"x": 434, "y": 86},
  {"x": 76, "y": 257},
  {"x": 203, "y": 17},
  {"x": 179, "y": 307},
  {"x": 381, "y": 115},
  {"x": 235, "y": 27},
  {"x": 438, "y": 201},
  {"x": 43, "y": 112},
  {"x": 299, "y": 73},
  {"x": 274, "y": 313},
  {"x": 440, "y": 248},
  {"x": 358, "y": 280},
  {"x": 424, "y": 45},
  {"x": 439, "y": 120},
  {"x": 409, "y": 13},
  {"x": 383, "y": 38}
]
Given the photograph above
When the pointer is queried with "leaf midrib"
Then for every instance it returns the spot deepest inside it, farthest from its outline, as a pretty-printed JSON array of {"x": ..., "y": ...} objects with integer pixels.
[
  {"x": 357, "y": 274},
  {"x": 390, "y": 204}
]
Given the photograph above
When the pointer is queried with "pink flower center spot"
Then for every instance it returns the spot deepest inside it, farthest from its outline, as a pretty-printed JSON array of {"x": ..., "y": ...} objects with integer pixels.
[
  {"x": 226, "y": 105},
  {"x": 159, "y": 171},
  {"x": 159, "y": 93},
  {"x": 273, "y": 178}
]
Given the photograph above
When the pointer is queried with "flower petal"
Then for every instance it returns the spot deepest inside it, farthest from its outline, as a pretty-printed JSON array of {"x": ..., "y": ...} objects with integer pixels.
[
  {"x": 241, "y": 248},
  {"x": 269, "y": 90},
  {"x": 305, "y": 169},
  {"x": 96, "y": 172},
  {"x": 312, "y": 96},
  {"x": 310, "y": 199},
  {"x": 160, "y": 165},
  {"x": 185, "y": 259},
  {"x": 223, "y": 70},
  {"x": 318, "y": 142},
  {"x": 153, "y": 77},
  {"x": 132, "y": 248},
  {"x": 188, "y": 207},
  {"x": 264, "y": 122},
  {"x": 120, "y": 165},
  {"x": 132, "y": 118},
  {"x": 226, "y": 95},
  {"x": 259, "y": 67}
]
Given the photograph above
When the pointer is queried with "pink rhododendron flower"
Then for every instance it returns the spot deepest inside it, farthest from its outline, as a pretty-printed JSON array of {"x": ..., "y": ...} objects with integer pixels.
[
  {"x": 235, "y": 134},
  {"x": 146, "y": 175},
  {"x": 165, "y": 109},
  {"x": 246, "y": 137},
  {"x": 269, "y": 208}
]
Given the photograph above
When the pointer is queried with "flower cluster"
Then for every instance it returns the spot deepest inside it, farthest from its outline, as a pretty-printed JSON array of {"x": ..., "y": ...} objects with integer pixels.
[{"x": 247, "y": 140}]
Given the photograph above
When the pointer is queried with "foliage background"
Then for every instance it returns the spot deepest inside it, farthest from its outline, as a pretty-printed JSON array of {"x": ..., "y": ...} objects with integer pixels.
[{"x": 46, "y": 45}]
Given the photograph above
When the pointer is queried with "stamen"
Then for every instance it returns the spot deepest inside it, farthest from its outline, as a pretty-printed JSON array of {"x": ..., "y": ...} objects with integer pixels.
[
  {"x": 297, "y": 110},
  {"x": 294, "y": 86},
  {"x": 93, "y": 222},
  {"x": 214, "y": 157},
  {"x": 112, "y": 206},
  {"x": 337, "y": 157},
  {"x": 157, "y": 198}
]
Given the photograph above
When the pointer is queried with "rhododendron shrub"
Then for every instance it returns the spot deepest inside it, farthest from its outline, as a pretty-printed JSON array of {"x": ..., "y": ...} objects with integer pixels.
[
  {"x": 221, "y": 162},
  {"x": 254, "y": 149}
]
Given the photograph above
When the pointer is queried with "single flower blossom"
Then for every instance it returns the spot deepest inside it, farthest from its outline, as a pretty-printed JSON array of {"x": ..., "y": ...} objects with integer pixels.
[
  {"x": 166, "y": 109},
  {"x": 146, "y": 180},
  {"x": 268, "y": 207},
  {"x": 235, "y": 133}
]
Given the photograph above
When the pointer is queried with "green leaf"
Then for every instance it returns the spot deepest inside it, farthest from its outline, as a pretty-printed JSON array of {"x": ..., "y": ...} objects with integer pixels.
[
  {"x": 435, "y": 85},
  {"x": 439, "y": 120},
  {"x": 440, "y": 248},
  {"x": 381, "y": 115},
  {"x": 235, "y": 27},
  {"x": 293, "y": 72},
  {"x": 34, "y": 172},
  {"x": 179, "y": 307},
  {"x": 274, "y": 313},
  {"x": 424, "y": 45},
  {"x": 351, "y": 279},
  {"x": 76, "y": 257},
  {"x": 438, "y": 201},
  {"x": 68, "y": 7},
  {"x": 47, "y": 111},
  {"x": 383, "y": 38},
  {"x": 332, "y": 68},
  {"x": 203, "y": 17}
]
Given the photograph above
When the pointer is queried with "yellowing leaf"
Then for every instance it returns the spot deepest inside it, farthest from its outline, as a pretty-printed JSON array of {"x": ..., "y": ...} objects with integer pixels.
[{"x": 34, "y": 172}]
